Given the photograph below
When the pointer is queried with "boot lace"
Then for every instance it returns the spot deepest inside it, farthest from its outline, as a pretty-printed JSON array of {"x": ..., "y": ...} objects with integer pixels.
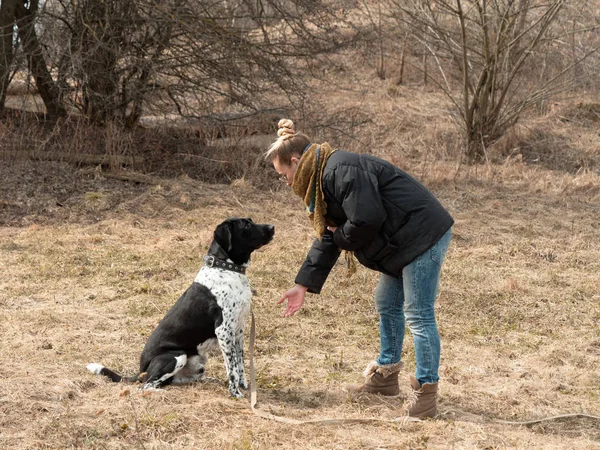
[
  {"x": 412, "y": 400},
  {"x": 409, "y": 403}
]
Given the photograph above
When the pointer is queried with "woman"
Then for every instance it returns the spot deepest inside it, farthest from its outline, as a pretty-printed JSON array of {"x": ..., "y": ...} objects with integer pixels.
[{"x": 392, "y": 224}]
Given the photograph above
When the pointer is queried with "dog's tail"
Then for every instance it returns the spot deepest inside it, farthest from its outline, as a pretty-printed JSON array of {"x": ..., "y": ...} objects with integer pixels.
[{"x": 99, "y": 369}]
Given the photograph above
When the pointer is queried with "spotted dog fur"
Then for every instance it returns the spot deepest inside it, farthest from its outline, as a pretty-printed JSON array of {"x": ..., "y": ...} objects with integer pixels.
[
  {"x": 211, "y": 313},
  {"x": 233, "y": 294}
]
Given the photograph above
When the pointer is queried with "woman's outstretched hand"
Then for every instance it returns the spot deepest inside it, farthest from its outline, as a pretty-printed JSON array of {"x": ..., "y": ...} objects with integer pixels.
[{"x": 295, "y": 300}]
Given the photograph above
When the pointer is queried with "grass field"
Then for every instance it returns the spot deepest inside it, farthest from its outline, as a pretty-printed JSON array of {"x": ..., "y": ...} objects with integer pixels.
[{"x": 90, "y": 264}]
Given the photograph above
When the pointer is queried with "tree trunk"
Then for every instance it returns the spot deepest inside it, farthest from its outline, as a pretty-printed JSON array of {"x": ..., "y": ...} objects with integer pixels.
[
  {"x": 400, "y": 79},
  {"x": 8, "y": 11},
  {"x": 103, "y": 32},
  {"x": 31, "y": 45},
  {"x": 475, "y": 146}
]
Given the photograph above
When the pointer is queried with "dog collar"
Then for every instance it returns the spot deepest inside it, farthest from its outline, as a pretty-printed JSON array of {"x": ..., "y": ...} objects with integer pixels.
[{"x": 211, "y": 261}]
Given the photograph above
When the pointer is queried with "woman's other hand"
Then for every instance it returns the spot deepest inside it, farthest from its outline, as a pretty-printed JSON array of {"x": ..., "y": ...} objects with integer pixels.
[{"x": 295, "y": 300}]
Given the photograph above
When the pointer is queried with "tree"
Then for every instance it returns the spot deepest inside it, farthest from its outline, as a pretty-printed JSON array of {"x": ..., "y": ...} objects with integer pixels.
[
  {"x": 22, "y": 16},
  {"x": 26, "y": 21},
  {"x": 491, "y": 48},
  {"x": 115, "y": 59},
  {"x": 8, "y": 15}
]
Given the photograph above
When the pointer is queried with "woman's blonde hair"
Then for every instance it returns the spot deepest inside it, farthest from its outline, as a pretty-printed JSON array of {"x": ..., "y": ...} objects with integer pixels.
[{"x": 288, "y": 144}]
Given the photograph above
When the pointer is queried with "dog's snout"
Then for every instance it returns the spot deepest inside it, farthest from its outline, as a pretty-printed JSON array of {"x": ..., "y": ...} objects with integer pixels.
[{"x": 270, "y": 231}]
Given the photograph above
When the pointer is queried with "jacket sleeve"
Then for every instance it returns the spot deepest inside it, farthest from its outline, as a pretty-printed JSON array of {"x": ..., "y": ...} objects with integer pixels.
[
  {"x": 320, "y": 260},
  {"x": 358, "y": 192}
]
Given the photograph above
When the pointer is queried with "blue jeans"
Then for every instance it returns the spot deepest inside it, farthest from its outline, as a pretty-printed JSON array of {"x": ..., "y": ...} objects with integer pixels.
[{"x": 411, "y": 297}]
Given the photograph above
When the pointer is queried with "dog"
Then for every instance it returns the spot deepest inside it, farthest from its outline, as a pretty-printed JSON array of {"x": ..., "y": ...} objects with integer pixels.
[{"x": 210, "y": 313}]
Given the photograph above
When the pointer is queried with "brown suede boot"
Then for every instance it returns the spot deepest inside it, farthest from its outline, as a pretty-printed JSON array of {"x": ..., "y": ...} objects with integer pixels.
[
  {"x": 423, "y": 400},
  {"x": 381, "y": 380}
]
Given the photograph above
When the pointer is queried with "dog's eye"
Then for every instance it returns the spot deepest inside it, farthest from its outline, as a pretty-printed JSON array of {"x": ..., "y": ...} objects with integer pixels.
[{"x": 248, "y": 225}]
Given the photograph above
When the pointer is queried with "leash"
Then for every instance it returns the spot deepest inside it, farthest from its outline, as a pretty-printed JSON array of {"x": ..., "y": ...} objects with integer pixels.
[
  {"x": 401, "y": 419},
  {"x": 270, "y": 416},
  {"x": 549, "y": 419},
  {"x": 253, "y": 394}
]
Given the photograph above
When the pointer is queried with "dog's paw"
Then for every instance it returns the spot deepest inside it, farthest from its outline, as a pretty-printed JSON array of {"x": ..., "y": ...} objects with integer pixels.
[
  {"x": 210, "y": 380},
  {"x": 236, "y": 393},
  {"x": 151, "y": 387},
  {"x": 95, "y": 368}
]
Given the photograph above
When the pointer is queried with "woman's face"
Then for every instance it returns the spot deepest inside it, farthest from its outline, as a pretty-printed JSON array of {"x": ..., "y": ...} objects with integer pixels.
[{"x": 286, "y": 171}]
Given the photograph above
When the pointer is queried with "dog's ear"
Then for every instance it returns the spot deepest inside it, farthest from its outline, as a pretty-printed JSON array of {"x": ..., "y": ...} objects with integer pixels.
[{"x": 223, "y": 236}]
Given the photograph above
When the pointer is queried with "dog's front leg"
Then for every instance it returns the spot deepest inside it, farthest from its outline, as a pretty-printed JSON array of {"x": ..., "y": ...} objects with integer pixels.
[
  {"x": 227, "y": 342},
  {"x": 239, "y": 344}
]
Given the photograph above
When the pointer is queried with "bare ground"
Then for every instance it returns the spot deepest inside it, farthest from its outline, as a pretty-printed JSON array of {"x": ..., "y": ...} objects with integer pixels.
[{"x": 90, "y": 264}]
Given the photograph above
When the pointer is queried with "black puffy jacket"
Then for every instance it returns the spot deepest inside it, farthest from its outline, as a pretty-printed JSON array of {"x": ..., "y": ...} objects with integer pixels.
[{"x": 383, "y": 214}]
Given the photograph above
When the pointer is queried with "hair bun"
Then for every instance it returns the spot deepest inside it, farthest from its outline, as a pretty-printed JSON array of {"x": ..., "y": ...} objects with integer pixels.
[{"x": 286, "y": 128}]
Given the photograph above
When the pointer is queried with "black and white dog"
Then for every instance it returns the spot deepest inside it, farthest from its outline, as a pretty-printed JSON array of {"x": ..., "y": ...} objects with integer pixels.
[{"x": 213, "y": 310}]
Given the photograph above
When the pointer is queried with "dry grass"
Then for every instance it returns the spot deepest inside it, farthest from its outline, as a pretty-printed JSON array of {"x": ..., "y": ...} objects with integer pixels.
[
  {"x": 166, "y": 149},
  {"x": 90, "y": 265}
]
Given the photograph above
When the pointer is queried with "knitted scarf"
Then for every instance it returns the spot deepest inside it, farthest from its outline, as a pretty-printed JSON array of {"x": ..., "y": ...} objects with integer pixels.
[{"x": 307, "y": 185}]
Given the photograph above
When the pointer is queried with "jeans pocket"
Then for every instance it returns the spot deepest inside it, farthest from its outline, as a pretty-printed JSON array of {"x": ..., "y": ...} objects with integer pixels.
[
  {"x": 438, "y": 251},
  {"x": 436, "y": 254}
]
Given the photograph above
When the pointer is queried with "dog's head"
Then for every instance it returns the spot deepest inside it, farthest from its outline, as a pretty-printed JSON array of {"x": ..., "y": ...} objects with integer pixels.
[{"x": 240, "y": 237}]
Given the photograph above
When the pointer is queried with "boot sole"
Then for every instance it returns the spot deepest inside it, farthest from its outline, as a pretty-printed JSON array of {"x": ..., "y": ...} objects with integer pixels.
[{"x": 426, "y": 415}]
